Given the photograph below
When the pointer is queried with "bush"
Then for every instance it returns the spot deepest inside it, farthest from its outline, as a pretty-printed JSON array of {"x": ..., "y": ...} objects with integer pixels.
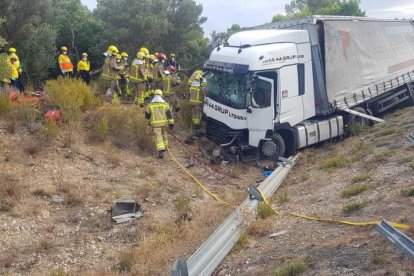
[
  {"x": 354, "y": 206},
  {"x": 49, "y": 130},
  {"x": 360, "y": 178},
  {"x": 293, "y": 268},
  {"x": 242, "y": 242},
  {"x": 101, "y": 128},
  {"x": 264, "y": 211},
  {"x": 72, "y": 96},
  {"x": 356, "y": 190},
  {"x": 339, "y": 161}
]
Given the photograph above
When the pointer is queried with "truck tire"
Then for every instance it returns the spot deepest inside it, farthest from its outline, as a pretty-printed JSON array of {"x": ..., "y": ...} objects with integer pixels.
[
  {"x": 280, "y": 143},
  {"x": 354, "y": 120},
  {"x": 273, "y": 148}
]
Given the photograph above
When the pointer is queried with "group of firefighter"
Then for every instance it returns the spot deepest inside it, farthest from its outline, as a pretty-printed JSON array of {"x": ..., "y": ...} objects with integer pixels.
[{"x": 152, "y": 78}]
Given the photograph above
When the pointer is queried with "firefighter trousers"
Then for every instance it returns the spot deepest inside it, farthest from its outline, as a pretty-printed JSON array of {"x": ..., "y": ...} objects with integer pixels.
[
  {"x": 139, "y": 93},
  {"x": 160, "y": 137},
  {"x": 197, "y": 113}
]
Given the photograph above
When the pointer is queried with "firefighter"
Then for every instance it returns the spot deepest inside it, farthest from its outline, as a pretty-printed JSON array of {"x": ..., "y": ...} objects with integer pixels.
[
  {"x": 110, "y": 70},
  {"x": 197, "y": 90},
  {"x": 173, "y": 62},
  {"x": 169, "y": 83},
  {"x": 19, "y": 83},
  {"x": 138, "y": 76},
  {"x": 159, "y": 70},
  {"x": 14, "y": 70},
  {"x": 65, "y": 65},
  {"x": 160, "y": 116},
  {"x": 123, "y": 82},
  {"x": 149, "y": 67},
  {"x": 84, "y": 68}
]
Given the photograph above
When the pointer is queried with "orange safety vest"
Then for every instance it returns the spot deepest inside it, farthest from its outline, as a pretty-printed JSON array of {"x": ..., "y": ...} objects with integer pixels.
[{"x": 65, "y": 64}]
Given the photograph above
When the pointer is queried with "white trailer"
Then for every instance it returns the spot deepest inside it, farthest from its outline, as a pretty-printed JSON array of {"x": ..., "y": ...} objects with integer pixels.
[{"x": 279, "y": 87}]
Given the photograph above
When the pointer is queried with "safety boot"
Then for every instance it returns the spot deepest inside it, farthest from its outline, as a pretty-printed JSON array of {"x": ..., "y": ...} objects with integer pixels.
[{"x": 161, "y": 154}]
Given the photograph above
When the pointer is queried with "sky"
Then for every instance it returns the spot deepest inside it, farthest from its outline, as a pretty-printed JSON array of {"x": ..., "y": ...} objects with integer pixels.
[{"x": 221, "y": 14}]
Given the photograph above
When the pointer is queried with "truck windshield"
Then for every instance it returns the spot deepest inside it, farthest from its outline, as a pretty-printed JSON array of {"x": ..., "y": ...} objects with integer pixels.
[{"x": 227, "y": 89}]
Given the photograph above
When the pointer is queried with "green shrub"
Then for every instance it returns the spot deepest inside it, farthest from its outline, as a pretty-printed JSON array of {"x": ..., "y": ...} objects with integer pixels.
[
  {"x": 283, "y": 196},
  {"x": 339, "y": 161},
  {"x": 356, "y": 190},
  {"x": 354, "y": 206},
  {"x": 242, "y": 242},
  {"x": 264, "y": 211},
  {"x": 293, "y": 268}
]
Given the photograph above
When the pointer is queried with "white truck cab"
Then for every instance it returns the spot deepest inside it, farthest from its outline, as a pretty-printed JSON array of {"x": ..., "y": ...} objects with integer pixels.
[{"x": 267, "y": 88}]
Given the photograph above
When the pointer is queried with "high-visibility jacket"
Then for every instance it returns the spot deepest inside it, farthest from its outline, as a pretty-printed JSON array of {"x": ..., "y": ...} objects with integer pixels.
[
  {"x": 83, "y": 66},
  {"x": 14, "y": 69},
  {"x": 167, "y": 85},
  {"x": 65, "y": 64},
  {"x": 110, "y": 69},
  {"x": 197, "y": 92},
  {"x": 19, "y": 69},
  {"x": 160, "y": 114},
  {"x": 196, "y": 75},
  {"x": 137, "y": 71},
  {"x": 158, "y": 70}
]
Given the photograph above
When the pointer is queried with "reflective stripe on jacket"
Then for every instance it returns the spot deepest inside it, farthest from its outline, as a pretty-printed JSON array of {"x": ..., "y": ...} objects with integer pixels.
[
  {"x": 65, "y": 64},
  {"x": 160, "y": 114},
  {"x": 137, "y": 73},
  {"x": 108, "y": 69},
  {"x": 166, "y": 85}
]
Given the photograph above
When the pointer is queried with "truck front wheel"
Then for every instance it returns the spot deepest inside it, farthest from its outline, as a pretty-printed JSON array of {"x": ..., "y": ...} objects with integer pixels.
[
  {"x": 355, "y": 122},
  {"x": 275, "y": 147}
]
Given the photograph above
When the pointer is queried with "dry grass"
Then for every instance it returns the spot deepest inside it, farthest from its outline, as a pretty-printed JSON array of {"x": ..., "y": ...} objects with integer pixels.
[
  {"x": 32, "y": 146},
  {"x": 264, "y": 211},
  {"x": 172, "y": 241},
  {"x": 11, "y": 191},
  {"x": 360, "y": 178},
  {"x": 242, "y": 242},
  {"x": 336, "y": 162},
  {"x": 292, "y": 268},
  {"x": 283, "y": 196},
  {"x": 41, "y": 193},
  {"x": 305, "y": 176},
  {"x": 354, "y": 206},
  {"x": 356, "y": 190},
  {"x": 409, "y": 192},
  {"x": 112, "y": 154},
  {"x": 260, "y": 228},
  {"x": 5, "y": 104},
  {"x": 384, "y": 132},
  {"x": 49, "y": 130},
  {"x": 73, "y": 194},
  {"x": 412, "y": 164}
]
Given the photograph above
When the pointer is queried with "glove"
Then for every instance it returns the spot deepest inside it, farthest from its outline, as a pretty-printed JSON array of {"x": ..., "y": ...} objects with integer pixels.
[
  {"x": 171, "y": 126},
  {"x": 147, "y": 115}
]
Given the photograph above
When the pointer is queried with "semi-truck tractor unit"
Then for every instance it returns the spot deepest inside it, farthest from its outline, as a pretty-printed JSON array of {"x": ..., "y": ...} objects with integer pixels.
[{"x": 279, "y": 87}]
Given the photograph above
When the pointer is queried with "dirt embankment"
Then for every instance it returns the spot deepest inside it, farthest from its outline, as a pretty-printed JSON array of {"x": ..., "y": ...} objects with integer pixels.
[{"x": 362, "y": 178}]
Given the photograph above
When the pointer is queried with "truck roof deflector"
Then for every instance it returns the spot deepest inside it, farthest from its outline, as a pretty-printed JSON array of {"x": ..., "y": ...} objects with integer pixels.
[{"x": 363, "y": 115}]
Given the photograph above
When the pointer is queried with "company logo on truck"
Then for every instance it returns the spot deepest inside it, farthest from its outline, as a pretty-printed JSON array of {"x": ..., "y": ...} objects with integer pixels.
[
  {"x": 279, "y": 59},
  {"x": 223, "y": 110}
]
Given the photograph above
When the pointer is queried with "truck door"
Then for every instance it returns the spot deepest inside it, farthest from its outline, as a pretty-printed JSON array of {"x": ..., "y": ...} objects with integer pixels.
[
  {"x": 291, "y": 110},
  {"x": 261, "y": 111}
]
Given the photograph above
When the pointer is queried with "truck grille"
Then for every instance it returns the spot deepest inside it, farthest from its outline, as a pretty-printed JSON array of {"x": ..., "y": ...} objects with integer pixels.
[{"x": 221, "y": 134}]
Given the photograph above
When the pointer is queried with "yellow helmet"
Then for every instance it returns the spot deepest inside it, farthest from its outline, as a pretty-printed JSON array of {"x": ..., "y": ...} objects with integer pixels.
[
  {"x": 63, "y": 48},
  {"x": 172, "y": 55},
  {"x": 144, "y": 50},
  {"x": 148, "y": 56},
  {"x": 140, "y": 55},
  {"x": 118, "y": 56},
  {"x": 12, "y": 50},
  {"x": 84, "y": 54},
  {"x": 158, "y": 92},
  {"x": 124, "y": 54},
  {"x": 112, "y": 50},
  {"x": 152, "y": 57}
]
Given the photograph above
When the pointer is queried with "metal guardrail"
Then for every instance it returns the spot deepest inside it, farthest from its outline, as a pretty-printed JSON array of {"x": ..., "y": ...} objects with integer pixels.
[
  {"x": 410, "y": 138},
  {"x": 213, "y": 251},
  {"x": 396, "y": 237}
]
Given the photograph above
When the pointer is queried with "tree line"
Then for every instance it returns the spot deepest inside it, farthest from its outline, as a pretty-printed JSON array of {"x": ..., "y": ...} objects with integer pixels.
[{"x": 39, "y": 28}]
